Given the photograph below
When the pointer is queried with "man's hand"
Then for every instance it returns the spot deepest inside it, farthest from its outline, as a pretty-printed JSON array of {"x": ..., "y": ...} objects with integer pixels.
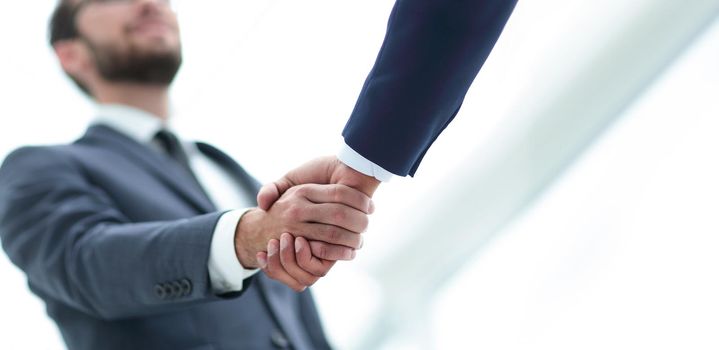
[
  {"x": 299, "y": 262},
  {"x": 325, "y": 170},
  {"x": 331, "y": 216},
  {"x": 291, "y": 262}
]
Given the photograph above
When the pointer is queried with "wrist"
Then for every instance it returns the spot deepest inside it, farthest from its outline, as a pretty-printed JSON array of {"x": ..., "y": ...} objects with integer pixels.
[
  {"x": 246, "y": 234},
  {"x": 345, "y": 175}
]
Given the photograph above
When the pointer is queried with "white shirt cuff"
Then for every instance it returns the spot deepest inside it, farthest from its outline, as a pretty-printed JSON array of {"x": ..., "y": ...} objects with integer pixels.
[
  {"x": 226, "y": 272},
  {"x": 365, "y": 166}
]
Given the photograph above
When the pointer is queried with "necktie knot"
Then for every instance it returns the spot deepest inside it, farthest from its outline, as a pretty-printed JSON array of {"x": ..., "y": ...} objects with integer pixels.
[{"x": 172, "y": 146}]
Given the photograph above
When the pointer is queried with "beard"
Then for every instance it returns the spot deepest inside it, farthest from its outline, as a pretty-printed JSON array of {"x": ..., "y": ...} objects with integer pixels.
[{"x": 135, "y": 66}]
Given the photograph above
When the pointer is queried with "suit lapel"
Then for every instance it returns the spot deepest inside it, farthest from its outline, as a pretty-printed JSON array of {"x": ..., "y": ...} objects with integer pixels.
[
  {"x": 164, "y": 168},
  {"x": 226, "y": 162}
]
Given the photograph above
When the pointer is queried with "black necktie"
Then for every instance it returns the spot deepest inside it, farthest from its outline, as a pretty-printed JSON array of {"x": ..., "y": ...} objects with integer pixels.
[{"x": 173, "y": 148}]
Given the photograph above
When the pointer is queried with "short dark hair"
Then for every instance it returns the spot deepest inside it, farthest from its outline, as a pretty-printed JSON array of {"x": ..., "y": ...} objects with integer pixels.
[{"x": 63, "y": 27}]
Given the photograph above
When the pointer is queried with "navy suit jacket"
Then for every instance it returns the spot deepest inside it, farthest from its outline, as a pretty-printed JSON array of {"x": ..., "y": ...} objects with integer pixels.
[
  {"x": 431, "y": 53},
  {"x": 115, "y": 238}
]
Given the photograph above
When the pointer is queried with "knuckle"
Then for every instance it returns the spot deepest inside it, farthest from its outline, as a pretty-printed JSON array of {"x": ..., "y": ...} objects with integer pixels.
[
  {"x": 334, "y": 235},
  {"x": 364, "y": 223},
  {"x": 324, "y": 233},
  {"x": 307, "y": 281},
  {"x": 339, "y": 216},
  {"x": 323, "y": 251},
  {"x": 314, "y": 270},
  {"x": 365, "y": 203},
  {"x": 322, "y": 272},
  {"x": 301, "y": 190},
  {"x": 317, "y": 271},
  {"x": 336, "y": 194},
  {"x": 292, "y": 190},
  {"x": 303, "y": 265},
  {"x": 356, "y": 244},
  {"x": 294, "y": 212}
]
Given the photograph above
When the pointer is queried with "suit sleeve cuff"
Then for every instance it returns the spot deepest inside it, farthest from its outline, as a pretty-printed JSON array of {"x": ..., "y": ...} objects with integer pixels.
[
  {"x": 365, "y": 166},
  {"x": 226, "y": 272}
]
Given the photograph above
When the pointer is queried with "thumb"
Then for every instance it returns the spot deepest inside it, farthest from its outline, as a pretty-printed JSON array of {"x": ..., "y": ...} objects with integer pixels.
[
  {"x": 271, "y": 192},
  {"x": 267, "y": 196},
  {"x": 315, "y": 171}
]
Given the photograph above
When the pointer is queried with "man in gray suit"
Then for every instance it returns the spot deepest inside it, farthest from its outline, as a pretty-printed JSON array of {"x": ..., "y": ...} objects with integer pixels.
[{"x": 136, "y": 240}]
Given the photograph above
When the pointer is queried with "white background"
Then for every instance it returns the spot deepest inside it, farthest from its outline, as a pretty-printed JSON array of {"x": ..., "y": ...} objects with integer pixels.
[{"x": 619, "y": 253}]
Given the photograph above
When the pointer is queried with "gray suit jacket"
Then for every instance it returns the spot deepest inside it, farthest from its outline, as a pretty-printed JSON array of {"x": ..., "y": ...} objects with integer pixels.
[{"x": 115, "y": 238}]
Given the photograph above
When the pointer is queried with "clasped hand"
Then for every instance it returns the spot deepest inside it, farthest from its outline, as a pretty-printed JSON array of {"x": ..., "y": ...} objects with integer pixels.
[{"x": 304, "y": 232}]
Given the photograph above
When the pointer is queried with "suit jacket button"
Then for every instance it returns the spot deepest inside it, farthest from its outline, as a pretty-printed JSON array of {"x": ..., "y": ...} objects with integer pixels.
[
  {"x": 176, "y": 289},
  {"x": 279, "y": 340},
  {"x": 169, "y": 293},
  {"x": 160, "y": 291},
  {"x": 186, "y": 286}
]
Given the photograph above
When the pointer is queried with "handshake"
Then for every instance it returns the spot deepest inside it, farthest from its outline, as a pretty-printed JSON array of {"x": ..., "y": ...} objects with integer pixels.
[{"x": 306, "y": 221}]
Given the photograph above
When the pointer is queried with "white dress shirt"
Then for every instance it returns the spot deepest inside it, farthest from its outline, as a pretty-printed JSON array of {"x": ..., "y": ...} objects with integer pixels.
[{"x": 226, "y": 272}]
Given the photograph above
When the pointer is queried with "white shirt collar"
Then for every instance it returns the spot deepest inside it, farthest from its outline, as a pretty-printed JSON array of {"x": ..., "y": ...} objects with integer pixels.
[{"x": 135, "y": 123}]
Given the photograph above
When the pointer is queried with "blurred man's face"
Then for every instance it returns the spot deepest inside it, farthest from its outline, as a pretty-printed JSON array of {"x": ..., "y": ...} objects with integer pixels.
[{"x": 131, "y": 40}]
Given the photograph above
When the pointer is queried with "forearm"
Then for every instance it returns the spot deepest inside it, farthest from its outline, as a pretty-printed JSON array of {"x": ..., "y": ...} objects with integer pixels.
[
  {"x": 431, "y": 53},
  {"x": 114, "y": 270},
  {"x": 77, "y": 247}
]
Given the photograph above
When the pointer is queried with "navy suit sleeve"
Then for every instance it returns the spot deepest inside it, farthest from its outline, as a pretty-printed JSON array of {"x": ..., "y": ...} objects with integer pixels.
[
  {"x": 75, "y": 246},
  {"x": 431, "y": 53}
]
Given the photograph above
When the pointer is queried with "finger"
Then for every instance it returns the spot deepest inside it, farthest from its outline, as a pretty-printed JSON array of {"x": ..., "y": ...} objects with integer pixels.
[
  {"x": 275, "y": 270},
  {"x": 318, "y": 170},
  {"x": 289, "y": 262},
  {"x": 309, "y": 262},
  {"x": 261, "y": 259},
  {"x": 268, "y": 195},
  {"x": 271, "y": 192},
  {"x": 338, "y": 194},
  {"x": 328, "y": 233},
  {"x": 339, "y": 215},
  {"x": 326, "y": 251}
]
